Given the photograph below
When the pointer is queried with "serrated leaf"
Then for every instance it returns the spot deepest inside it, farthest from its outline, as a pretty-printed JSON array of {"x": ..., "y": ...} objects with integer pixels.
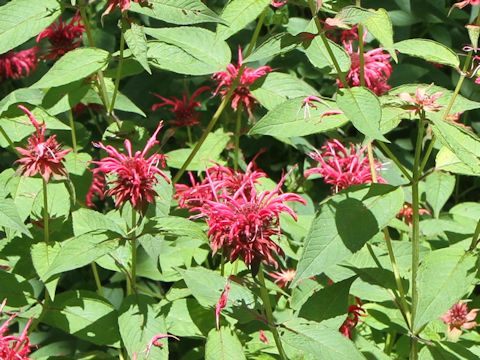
[
  {"x": 86, "y": 220},
  {"x": 9, "y": 218},
  {"x": 20, "y": 20},
  {"x": 73, "y": 66},
  {"x": 223, "y": 344},
  {"x": 275, "y": 45},
  {"x": 42, "y": 257},
  {"x": 238, "y": 14},
  {"x": 446, "y": 160},
  {"x": 187, "y": 50},
  {"x": 318, "y": 55},
  {"x": 380, "y": 26},
  {"x": 439, "y": 188},
  {"x": 137, "y": 43},
  {"x": 428, "y": 50},
  {"x": 294, "y": 118}
]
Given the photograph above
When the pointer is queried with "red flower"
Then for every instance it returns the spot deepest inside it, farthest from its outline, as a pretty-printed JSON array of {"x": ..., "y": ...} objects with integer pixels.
[
  {"x": 42, "y": 156},
  {"x": 134, "y": 175},
  {"x": 184, "y": 109},
  {"x": 263, "y": 337},
  {"x": 422, "y": 101},
  {"x": 458, "y": 318},
  {"x": 278, "y": 3},
  {"x": 464, "y": 3},
  {"x": 155, "y": 341},
  {"x": 354, "y": 313},
  {"x": 63, "y": 36},
  {"x": 242, "y": 224},
  {"x": 16, "y": 65},
  {"x": 124, "y": 5},
  {"x": 377, "y": 69},
  {"x": 283, "y": 277},
  {"x": 13, "y": 347},
  {"x": 222, "y": 303},
  {"x": 96, "y": 188},
  {"x": 406, "y": 213},
  {"x": 242, "y": 92},
  {"x": 342, "y": 167}
]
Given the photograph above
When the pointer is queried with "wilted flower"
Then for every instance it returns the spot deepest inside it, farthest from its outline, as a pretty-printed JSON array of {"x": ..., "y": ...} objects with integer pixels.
[
  {"x": 184, "y": 109},
  {"x": 278, "y": 3},
  {"x": 283, "y": 277},
  {"x": 63, "y": 36},
  {"x": 242, "y": 92},
  {"x": 41, "y": 156},
  {"x": 353, "y": 316},
  {"x": 343, "y": 167},
  {"x": 222, "y": 303},
  {"x": 96, "y": 188},
  {"x": 406, "y": 213},
  {"x": 422, "y": 101},
  {"x": 309, "y": 103},
  {"x": 377, "y": 69},
  {"x": 242, "y": 224},
  {"x": 135, "y": 175},
  {"x": 16, "y": 65},
  {"x": 13, "y": 347},
  {"x": 155, "y": 341},
  {"x": 124, "y": 5},
  {"x": 459, "y": 318},
  {"x": 464, "y": 3}
]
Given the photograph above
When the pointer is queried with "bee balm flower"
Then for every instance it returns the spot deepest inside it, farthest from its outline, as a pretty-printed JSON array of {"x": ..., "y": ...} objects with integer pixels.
[
  {"x": 13, "y": 347},
  {"x": 422, "y": 101},
  {"x": 278, "y": 3},
  {"x": 459, "y": 318},
  {"x": 124, "y": 5},
  {"x": 16, "y": 65}
]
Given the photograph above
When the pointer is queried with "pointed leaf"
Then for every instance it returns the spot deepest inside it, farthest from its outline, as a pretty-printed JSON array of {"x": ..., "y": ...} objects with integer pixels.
[
  {"x": 223, "y": 344},
  {"x": 137, "y": 42},
  {"x": 428, "y": 50}
]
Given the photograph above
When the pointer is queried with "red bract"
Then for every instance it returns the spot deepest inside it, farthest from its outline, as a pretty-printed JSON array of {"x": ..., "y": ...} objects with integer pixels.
[
  {"x": 124, "y": 5},
  {"x": 342, "y": 167},
  {"x": 134, "y": 175},
  {"x": 353, "y": 316},
  {"x": 283, "y": 277},
  {"x": 41, "y": 156},
  {"x": 242, "y": 224},
  {"x": 13, "y": 347},
  {"x": 16, "y": 65},
  {"x": 63, "y": 36},
  {"x": 221, "y": 303},
  {"x": 377, "y": 69},
  {"x": 241, "y": 94},
  {"x": 184, "y": 109},
  {"x": 458, "y": 318},
  {"x": 406, "y": 213}
]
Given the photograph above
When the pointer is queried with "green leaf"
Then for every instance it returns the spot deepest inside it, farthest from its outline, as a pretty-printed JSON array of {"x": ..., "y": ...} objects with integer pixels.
[
  {"x": 139, "y": 323},
  {"x": 73, "y": 66},
  {"x": 187, "y": 50},
  {"x": 439, "y": 188},
  {"x": 86, "y": 220},
  {"x": 320, "y": 342},
  {"x": 223, "y": 344},
  {"x": 275, "y": 45},
  {"x": 181, "y": 12},
  {"x": 436, "y": 294},
  {"x": 345, "y": 223},
  {"x": 16, "y": 289},
  {"x": 362, "y": 107},
  {"x": 294, "y": 118},
  {"x": 20, "y": 20},
  {"x": 178, "y": 226},
  {"x": 446, "y": 160},
  {"x": 208, "y": 154},
  {"x": 42, "y": 257},
  {"x": 380, "y": 26},
  {"x": 137, "y": 42},
  {"x": 319, "y": 57},
  {"x": 24, "y": 95},
  {"x": 238, "y": 14},
  {"x": 58, "y": 201},
  {"x": 428, "y": 50},
  {"x": 9, "y": 218},
  {"x": 85, "y": 315}
]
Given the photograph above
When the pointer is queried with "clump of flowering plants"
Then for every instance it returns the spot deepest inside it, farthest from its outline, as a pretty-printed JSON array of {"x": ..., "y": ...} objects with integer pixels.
[{"x": 243, "y": 179}]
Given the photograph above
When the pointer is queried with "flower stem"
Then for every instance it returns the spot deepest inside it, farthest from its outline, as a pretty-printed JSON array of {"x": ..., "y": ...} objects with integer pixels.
[
  {"x": 476, "y": 236},
  {"x": 119, "y": 69},
  {"x": 98, "y": 283},
  {"x": 371, "y": 161},
  {"x": 73, "y": 131},
  {"x": 189, "y": 135},
  {"x": 238, "y": 128},
  {"x": 46, "y": 217},
  {"x": 133, "y": 270},
  {"x": 269, "y": 314}
]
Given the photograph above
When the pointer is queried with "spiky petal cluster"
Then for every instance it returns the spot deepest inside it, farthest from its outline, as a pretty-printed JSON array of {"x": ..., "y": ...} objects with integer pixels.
[
  {"x": 184, "y": 109},
  {"x": 241, "y": 94},
  {"x": 42, "y": 155},
  {"x": 63, "y": 36},
  {"x": 342, "y": 167},
  {"x": 377, "y": 69},
  {"x": 124, "y": 5},
  {"x": 222, "y": 303},
  {"x": 459, "y": 318},
  {"x": 283, "y": 277},
  {"x": 422, "y": 101},
  {"x": 134, "y": 174},
  {"x": 406, "y": 213},
  {"x": 353, "y": 317},
  {"x": 242, "y": 224},
  {"x": 16, "y": 65},
  {"x": 96, "y": 189},
  {"x": 14, "y": 347}
]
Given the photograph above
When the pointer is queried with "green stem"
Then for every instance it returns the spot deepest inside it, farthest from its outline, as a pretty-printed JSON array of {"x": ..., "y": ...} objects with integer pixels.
[
  {"x": 73, "y": 131},
  {"x": 133, "y": 241},
  {"x": 9, "y": 141},
  {"x": 238, "y": 128},
  {"x": 256, "y": 32},
  {"x": 119, "y": 69},
  {"x": 46, "y": 217},
  {"x": 371, "y": 160},
  {"x": 98, "y": 283},
  {"x": 392, "y": 157},
  {"x": 189, "y": 135},
  {"x": 269, "y": 314},
  {"x": 476, "y": 236}
]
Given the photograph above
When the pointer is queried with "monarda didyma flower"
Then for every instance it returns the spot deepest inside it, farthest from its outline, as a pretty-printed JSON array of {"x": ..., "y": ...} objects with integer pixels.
[
  {"x": 459, "y": 318},
  {"x": 42, "y": 155},
  {"x": 62, "y": 36},
  {"x": 14, "y": 347},
  {"x": 132, "y": 176},
  {"x": 241, "y": 94},
  {"x": 123, "y": 5},
  {"x": 422, "y": 101},
  {"x": 16, "y": 65}
]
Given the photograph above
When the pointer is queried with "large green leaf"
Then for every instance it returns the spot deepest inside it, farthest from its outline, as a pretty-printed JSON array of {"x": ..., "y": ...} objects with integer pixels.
[
  {"x": 42, "y": 257},
  {"x": 345, "y": 223},
  {"x": 137, "y": 43},
  {"x": 187, "y": 50},
  {"x": 428, "y": 50},
  {"x": 16, "y": 289},
  {"x": 73, "y": 66},
  {"x": 9, "y": 218},
  {"x": 318, "y": 55},
  {"x": 238, "y": 14},
  {"x": 275, "y": 45},
  {"x": 181, "y": 12},
  {"x": 444, "y": 277},
  {"x": 439, "y": 188},
  {"x": 362, "y": 107},
  {"x": 178, "y": 226},
  {"x": 86, "y": 220},
  {"x": 23, "y": 95},
  {"x": 20, "y": 20},
  {"x": 223, "y": 344}
]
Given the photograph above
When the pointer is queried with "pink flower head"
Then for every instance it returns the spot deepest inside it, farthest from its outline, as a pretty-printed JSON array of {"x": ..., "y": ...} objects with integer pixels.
[
  {"x": 242, "y": 224},
  {"x": 458, "y": 318},
  {"x": 155, "y": 341},
  {"x": 283, "y": 277},
  {"x": 63, "y": 36},
  {"x": 377, "y": 69},
  {"x": 96, "y": 188},
  {"x": 222, "y": 303},
  {"x": 124, "y": 5},
  {"x": 278, "y": 3},
  {"x": 353, "y": 316},
  {"x": 406, "y": 213},
  {"x": 342, "y": 167},
  {"x": 242, "y": 94},
  {"x": 184, "y": 109},
  {"x": 135, "y": 175},
  {"x": 13, "y": 347},
  {"x": 16, "y": 65},
  {"x": 41, "y": 156},
  {"x": 422, "y": 101},
  {"x": 309, "y": 103}
]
